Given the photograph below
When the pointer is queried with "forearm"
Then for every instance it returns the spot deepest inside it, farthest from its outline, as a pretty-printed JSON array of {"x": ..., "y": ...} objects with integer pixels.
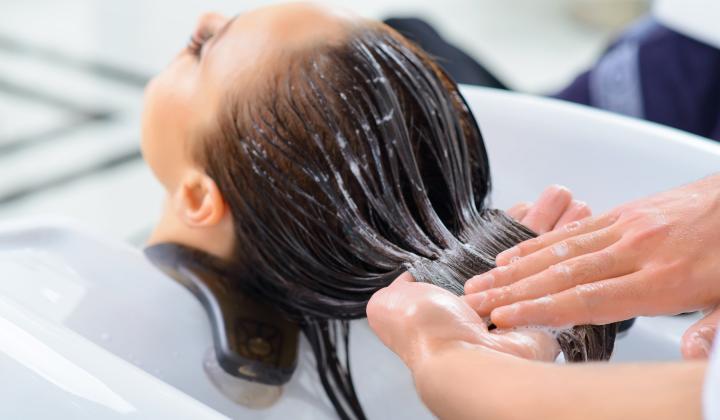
[{"x": 461, "y": 382}]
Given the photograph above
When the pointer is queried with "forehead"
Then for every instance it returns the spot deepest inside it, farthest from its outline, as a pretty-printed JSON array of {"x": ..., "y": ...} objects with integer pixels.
[
  {"x": 260, "y": 37},
  {"x": 251, "y": 49}
]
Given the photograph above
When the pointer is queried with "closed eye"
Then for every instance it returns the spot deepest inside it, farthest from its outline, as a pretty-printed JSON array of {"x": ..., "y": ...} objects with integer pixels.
[
  {"x": 197, "y": 41},
  {"x": 207, "y": 30}
]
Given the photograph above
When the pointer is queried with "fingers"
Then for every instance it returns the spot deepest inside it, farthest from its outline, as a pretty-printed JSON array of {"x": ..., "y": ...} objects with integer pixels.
[
  {"x": 698, "y": 339},
  {"x": 577, "y": 210},
  {"x": 582, "y": 270},
  {"x": 518, "y": 211},
  {"x": 550, "y": 207},
  {"x": 542, "y": 259},
  {"x": 569, "y": 230},
  {"x": 382, "y": 298},
  {"x": 597, "y": 303},
  {"x": 555, "y": 208}
]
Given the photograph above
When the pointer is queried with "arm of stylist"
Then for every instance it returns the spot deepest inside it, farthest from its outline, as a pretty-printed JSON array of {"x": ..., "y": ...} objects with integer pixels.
[
  {"x": 659, "y": 255},
  {"x": 463, "y": 371}
]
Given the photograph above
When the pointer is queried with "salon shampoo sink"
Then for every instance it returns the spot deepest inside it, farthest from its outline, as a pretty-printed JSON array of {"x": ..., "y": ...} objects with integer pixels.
[
  {"x": 605, "y": 159},
  {"x": 90, "y": 329}
]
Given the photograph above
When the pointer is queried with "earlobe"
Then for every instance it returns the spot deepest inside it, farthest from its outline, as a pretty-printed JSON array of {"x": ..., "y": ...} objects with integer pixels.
[{"x": 199, "y": 201}]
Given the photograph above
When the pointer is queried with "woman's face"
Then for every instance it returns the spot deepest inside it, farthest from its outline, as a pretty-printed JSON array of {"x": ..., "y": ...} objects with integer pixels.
[{"x": 182, "y": 102}]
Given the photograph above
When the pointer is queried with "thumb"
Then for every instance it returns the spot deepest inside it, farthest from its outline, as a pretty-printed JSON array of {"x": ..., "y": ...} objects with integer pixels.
[{"x": 698, "y": 339}]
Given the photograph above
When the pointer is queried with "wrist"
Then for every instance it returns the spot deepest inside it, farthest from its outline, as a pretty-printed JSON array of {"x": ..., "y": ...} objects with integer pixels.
[
  {"x": 462, "y": 380},
  {"x": 435, "y": 358},
  {"x": 430, "y": 370}
]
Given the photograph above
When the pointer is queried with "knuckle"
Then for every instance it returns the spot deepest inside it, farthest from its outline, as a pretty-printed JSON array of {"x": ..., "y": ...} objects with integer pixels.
[
  {"x": 649, "y": 234},
  {"x": 673, "y": 276},
  {"x": 661, "y": 230},
  {"x": 626, "y": 212},
  {"x": 592, "y": 267},
  {"x": 583, "y": 212},
  {"x": 561, "y": 249},
  {"x": 574, "y": 226},
  {"x": 498, "y": 277},
  {"x": 605, "y": 260},
  {"x": 612, "y": 216},
  {"x": 503, "y": 272},
  {"x": 633, "y": 241},
  {"x": 571, "y": 226},
  {"x": 586, "y": 298},
  {"x": 560, "y": 274},
  {"x": 499, "y": 296},
  {"x": 584, "y": 243},
  {"x": 593, "y": 222},
  {"x": 529, "y": 246},
  {"x": 631, "y": 210}
]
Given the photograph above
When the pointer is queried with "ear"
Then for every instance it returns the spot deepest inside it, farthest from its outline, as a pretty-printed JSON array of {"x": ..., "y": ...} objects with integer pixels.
[{"x": 198, "y": 200}]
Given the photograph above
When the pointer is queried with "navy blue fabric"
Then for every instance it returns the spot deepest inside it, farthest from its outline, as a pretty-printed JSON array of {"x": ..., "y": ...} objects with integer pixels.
[
  {"x": 650, "y": 72},
  {"x": 678, "y": 77}
]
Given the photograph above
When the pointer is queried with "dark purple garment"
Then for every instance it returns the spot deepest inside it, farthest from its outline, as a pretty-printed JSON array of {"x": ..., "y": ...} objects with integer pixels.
[{"x": 656, "y": 74}]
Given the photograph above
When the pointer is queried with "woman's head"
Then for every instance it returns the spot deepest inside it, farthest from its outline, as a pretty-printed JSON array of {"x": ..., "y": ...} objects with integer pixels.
[
  {"x": 183, "y": 105},
  {"x": 325, "y": 154},
  {"x": 326, "y": 147}
]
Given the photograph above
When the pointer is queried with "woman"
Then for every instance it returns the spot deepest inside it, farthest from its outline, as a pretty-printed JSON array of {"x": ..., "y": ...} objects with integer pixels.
[{"x": 325, "y": 154}]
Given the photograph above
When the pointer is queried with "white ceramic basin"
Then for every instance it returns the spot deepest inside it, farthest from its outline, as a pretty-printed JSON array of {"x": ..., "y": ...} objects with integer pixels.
[
  {"x": 604, "y": 158},
  {"x": 89, "y": 329}
]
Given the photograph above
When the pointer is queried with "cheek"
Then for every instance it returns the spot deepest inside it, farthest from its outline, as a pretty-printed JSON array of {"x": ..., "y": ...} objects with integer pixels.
[
  {"x": 165, "y": 124},
  {"x": 150, "y": 131}
]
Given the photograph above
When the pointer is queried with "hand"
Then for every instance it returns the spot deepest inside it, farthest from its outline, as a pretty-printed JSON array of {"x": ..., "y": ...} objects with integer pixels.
[
  {"x": 655, "y": 256},
  {"x": 413, "y": 319},
  {"x": 416, "y": 319},
  {"x": 554, "y": 208}
]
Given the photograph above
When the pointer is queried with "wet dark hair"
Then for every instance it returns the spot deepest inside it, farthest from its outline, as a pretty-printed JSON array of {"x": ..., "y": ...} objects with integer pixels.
[{"x": 358, "y": 161}]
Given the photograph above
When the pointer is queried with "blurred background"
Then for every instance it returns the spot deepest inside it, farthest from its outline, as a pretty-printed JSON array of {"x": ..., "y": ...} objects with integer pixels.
[{"x": 72, "y": 74}]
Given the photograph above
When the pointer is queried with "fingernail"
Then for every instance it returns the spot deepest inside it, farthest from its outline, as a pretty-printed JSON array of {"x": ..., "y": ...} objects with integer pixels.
[
  {"x": 707, "y": 332},
  {"x": 702, "y": 344},
  {"x": 704, "y": 337},
  {"x": 506, "y": 315},
  {"x": 479, "y": 283}
]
